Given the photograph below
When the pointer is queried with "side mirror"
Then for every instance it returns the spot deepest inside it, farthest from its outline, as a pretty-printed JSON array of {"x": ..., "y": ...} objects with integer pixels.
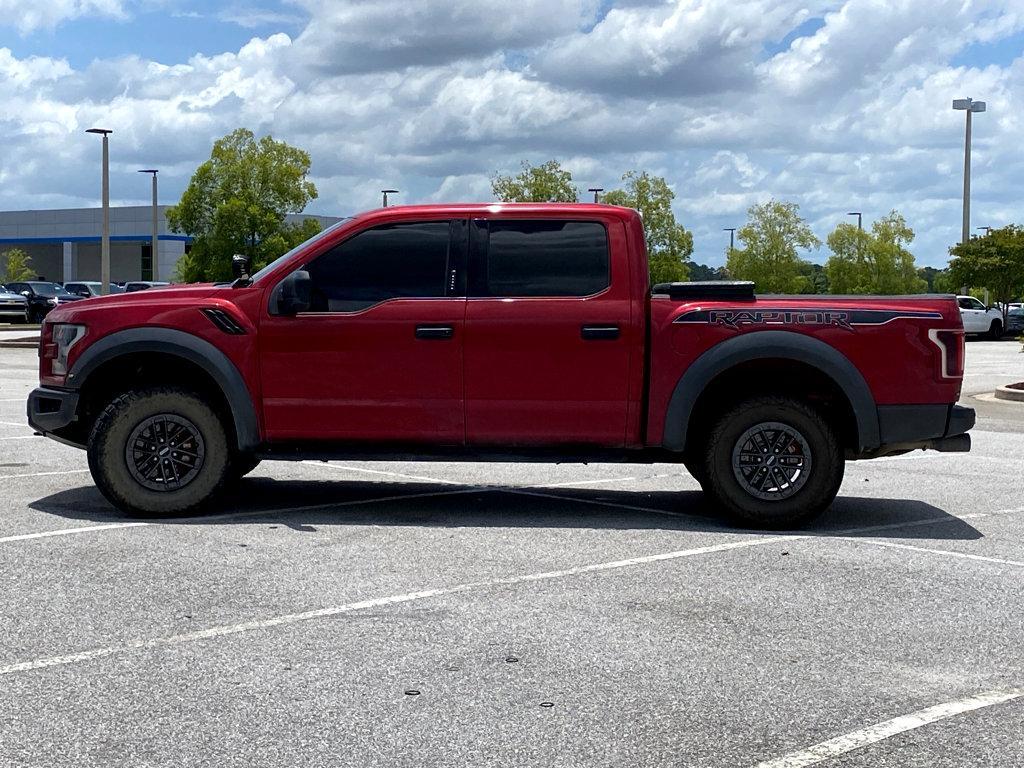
[
  {"x": 293, "y": 294},
  {"x": 240, "y": 264}
]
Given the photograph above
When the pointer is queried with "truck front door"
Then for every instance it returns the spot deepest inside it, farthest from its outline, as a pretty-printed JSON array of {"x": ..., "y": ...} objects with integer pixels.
[
  {"x": 378, "y": 356},
  {"x": 548, "y": 336}
]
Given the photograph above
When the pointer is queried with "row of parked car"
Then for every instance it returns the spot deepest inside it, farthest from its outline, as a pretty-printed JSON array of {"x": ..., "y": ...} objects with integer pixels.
[
  {"x": 988, "y": 320},
  {"x": 28, "y": 301}
]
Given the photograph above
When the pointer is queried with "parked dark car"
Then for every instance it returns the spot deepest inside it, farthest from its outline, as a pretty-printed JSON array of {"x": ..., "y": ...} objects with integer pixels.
[
  {"x": 1015, "y": 320},
  {"x": 143, "y": 285},
  {"x": 42, "y": 296},
  {"x": 13, "y": 306},
  {"x": 90, "y": 288}
]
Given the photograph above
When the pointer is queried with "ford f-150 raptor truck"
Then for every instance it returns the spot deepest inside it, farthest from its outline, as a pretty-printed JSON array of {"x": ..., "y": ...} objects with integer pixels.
[{"x": 512, "y": 332}]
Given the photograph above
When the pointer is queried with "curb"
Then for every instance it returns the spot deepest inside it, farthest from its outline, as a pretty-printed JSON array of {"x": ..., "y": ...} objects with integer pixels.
[{"x": 1007, "y": 393}]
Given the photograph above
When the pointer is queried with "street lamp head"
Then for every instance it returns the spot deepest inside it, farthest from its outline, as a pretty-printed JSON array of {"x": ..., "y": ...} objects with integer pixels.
[
  {"x": 977, "y": 106},
  {"x": 853, "y": 213},
  {"x": 103, "y": 131},
  {"x": 389, "y": 192},
  {"x": 961, "y": 103},
  {"x": 148, "y": 170}
]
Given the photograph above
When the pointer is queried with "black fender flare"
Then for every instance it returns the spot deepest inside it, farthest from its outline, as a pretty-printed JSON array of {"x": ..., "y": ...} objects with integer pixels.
[
  {"x": 764, "y": 345},
  {"x": 183, "y": 345}
]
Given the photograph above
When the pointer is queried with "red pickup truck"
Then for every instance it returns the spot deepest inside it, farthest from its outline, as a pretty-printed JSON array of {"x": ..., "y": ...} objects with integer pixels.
[{"x": 511, "y": 332}]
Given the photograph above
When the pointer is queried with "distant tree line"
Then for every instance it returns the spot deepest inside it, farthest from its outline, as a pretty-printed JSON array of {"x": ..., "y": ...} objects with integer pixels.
[{"x": 238, "y": 202}]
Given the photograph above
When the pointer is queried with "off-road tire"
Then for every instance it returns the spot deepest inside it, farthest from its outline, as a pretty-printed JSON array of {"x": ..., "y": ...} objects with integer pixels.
[
  {"x": 995, "y": 331},
  {"x": 109, "y": 464},
  {"x": 809, "y": 494}
]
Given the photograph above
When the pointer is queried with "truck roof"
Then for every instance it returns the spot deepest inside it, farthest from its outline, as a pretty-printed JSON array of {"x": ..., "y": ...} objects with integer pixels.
[{"x": 490, "y": 209}]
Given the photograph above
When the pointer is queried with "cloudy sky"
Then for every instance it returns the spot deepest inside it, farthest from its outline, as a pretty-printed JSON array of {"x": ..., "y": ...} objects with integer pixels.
[{"x": 837, "y": 105}]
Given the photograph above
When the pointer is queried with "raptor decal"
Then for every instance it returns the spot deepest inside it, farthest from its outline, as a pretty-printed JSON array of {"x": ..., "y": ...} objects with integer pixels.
[{"x": 845, "y": 319}]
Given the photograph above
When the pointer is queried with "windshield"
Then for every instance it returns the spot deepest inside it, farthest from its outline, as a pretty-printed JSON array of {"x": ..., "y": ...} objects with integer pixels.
[
  {"x": 314, "y": 239},
  {"x": 49, "y": 289}
]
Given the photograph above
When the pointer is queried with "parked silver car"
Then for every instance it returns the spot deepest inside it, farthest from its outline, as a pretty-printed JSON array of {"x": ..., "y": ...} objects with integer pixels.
[{"x": 13, "y": 306}]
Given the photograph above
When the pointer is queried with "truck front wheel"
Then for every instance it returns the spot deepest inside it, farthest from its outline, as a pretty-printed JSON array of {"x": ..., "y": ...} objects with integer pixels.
[
  {"x": 159, "y": 451},
  {"x": 773, "y": 462}
]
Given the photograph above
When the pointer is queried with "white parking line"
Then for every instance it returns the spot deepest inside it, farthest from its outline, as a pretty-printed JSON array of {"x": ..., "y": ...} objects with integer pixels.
[
  {"x": 317, "y": 463},
  {"x": 290, "y": 619},
  {"x": 529, "y": 492},
  {"x": 952, "y": 553},
  {"x": 39, "y": 475},
  {"x": 199, "y": 520},
  {"x": 881, "y": 731},
  {"x": 81, "y": 530}
]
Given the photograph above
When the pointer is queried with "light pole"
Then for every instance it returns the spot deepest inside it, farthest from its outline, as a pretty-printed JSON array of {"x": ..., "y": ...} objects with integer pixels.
[
  {"x": 153, "y": 259},
  {"x": 386, "y": 193},
  {"x": 732, "y": 236},
  {"x": 987, "y": 229},
  {"x": 860, "y": 225},
  {"x": 105, "y": 239},
  {"x": 969, "y": 106},
  {"x": 596, "y": 191}
]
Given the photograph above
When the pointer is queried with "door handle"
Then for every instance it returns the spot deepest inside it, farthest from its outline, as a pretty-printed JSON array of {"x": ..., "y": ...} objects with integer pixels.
[
  {"x": 434, "y": 332},
  {"x": 600, "y": 332}
]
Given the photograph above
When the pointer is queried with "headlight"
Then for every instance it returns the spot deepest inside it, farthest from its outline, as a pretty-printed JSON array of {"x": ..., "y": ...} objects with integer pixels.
[{"x": 65, "y": 336}]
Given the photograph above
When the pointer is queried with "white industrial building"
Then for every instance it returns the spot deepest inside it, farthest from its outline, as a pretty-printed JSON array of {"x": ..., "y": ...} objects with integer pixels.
[{"x": 64, "y": 243}]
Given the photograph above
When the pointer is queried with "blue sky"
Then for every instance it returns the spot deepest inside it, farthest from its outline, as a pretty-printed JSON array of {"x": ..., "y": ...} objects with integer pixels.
[{"x": 837, "y": 105}]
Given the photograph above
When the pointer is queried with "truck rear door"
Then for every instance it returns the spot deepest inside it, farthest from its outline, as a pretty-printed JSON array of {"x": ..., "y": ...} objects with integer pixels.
[{"x": 548, "y": 335}]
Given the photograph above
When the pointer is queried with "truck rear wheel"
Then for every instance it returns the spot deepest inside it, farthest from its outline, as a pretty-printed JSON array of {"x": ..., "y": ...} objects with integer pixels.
[
  {"x": 773, "y": 462},
  {"x": 159, "y": 451}
]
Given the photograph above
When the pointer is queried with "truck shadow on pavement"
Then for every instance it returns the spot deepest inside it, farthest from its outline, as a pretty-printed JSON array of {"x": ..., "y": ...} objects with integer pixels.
[{"x": 306, "y": 505}]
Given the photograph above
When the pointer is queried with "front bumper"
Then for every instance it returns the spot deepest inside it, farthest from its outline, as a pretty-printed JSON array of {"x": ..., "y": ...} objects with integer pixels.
[
  {"x": 940, "y": 427},
  {"x": 52, "y": 412}
]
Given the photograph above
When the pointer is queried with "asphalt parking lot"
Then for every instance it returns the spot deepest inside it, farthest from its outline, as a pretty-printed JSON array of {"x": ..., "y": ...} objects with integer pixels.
[{"x": 435, "y": 614}]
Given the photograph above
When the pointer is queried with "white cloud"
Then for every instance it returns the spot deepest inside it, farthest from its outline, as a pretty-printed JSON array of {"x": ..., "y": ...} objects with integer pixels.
[
  {"x": 29, "y": 15},
  {"x": 854, "y": 115},
  {"x": 352, "y": 36}
]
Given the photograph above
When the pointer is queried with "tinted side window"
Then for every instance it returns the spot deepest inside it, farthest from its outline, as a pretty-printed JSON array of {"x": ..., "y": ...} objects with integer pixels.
[
  {"x": 546, "y": 258},
  {"x": 410, "y": 259}
]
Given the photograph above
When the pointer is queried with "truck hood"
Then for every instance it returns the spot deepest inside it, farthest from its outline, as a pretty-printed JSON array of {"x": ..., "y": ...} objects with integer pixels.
[{"x": 191, "y": 294}]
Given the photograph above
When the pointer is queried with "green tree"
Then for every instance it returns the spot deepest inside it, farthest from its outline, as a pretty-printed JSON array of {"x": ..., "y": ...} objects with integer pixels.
[
  {"x": 817, "y": 280},
  {"x": 237, "y": 201},
  {"x": 943, "y": 283},
  {"x": 995, "y": 262},
  {"x": 546, "y": 183},
  {"x": 773, "y": 233},
  {"x": 669, "y": 244},
  {"x": 17, "y": 265},
  {"x": 705, "y": 272},
  {"x": 875, "y": 262}
]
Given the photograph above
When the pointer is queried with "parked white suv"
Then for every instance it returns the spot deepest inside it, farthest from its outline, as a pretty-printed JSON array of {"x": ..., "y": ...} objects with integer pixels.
[{"x": 979, "y": 319}]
